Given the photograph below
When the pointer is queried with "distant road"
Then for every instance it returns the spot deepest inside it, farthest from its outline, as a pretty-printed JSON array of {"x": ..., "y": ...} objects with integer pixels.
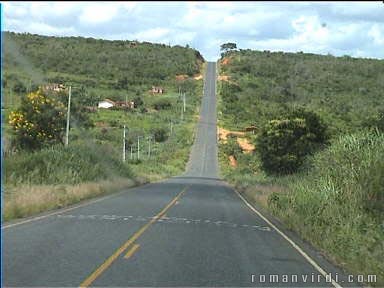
[{"x": 191, "y": 230}]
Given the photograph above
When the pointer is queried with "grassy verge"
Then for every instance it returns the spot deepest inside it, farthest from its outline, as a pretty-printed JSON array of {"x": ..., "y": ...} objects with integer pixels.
[
  {"x": 27, "y": 200},
  {"x": 336, "y": 203}
]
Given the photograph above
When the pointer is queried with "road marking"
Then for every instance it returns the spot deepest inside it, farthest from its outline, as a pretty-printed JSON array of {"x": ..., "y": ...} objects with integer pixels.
[
  {"x": 297, "y": 247},
  {"x": 135, "y": 236},
  {"x": 131, "y": 251}
]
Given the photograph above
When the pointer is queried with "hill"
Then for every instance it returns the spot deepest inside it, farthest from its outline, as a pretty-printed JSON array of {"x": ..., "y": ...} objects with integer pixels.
[
  {"x": 100, "y": 65},
  {"x": 344, "y": 91}
]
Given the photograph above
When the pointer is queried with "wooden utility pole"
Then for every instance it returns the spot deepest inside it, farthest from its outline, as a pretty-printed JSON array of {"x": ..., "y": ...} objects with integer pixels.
[
  {"x": 124, "y": 144},
  {"x": 68, "y": 115}
]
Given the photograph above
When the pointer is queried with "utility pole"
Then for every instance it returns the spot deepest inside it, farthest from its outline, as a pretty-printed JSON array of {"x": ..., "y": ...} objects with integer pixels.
[
  {"x": 184, "y": 101},
  {"x": 131, "y": 152},
  {"x": 182, "y": 110},
  {"x": 10, "y": 97},
  {"x": 124, "y": 144},
  {"x": 68, "y": 114},
  {"x": 171, "y": 126},
  {"x": 138, "y": 147},
  {"x": 149, "y": 147}
]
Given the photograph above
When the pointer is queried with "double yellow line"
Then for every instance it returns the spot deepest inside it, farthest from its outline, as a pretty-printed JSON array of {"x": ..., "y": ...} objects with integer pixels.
[{"x": 87, "y": 282}]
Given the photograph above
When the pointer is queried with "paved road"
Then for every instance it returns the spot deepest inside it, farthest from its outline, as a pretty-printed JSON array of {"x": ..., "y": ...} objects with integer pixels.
[{"x": 191, "y": 230}]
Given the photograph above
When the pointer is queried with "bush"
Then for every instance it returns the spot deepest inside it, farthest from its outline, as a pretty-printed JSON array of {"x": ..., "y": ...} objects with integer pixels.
[
  {"x": 160, "y": 134},
  {"x": 39, "y": 120},
  {"x": 283, "y": 144},
  {"x": 162, "y": 104},
  {"x": 232, "y": 147}
]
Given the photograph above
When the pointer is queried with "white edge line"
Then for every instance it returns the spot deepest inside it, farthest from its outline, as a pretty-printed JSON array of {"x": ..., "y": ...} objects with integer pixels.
[{"x": 305, "y": 255}]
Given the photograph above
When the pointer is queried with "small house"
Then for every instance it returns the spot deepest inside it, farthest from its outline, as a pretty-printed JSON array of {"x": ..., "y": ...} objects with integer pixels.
[
  {"x": 251, "y": 128},
  {"x": 124, "y": 104},
  {"x": 157, "y": 90},
  {"x": 53, "y": 87},
  {"x": 106, "y": 104}
]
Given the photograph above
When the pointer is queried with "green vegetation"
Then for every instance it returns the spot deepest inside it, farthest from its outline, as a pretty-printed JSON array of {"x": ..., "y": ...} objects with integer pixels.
[
  {"x": 283, "y": 144},
  {"x": 345, "y": 92},
  {"x": 158, "y": 136},
  {"x": 39, "y": 120},
  {"x": 334, "y": 197}
]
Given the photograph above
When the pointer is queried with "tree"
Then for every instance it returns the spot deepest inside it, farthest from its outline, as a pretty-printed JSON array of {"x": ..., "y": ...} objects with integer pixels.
[
  {"x": 283, "y": 144},
  {"x": 40, "y": 120},
  {"x": 227, "y": 47}
]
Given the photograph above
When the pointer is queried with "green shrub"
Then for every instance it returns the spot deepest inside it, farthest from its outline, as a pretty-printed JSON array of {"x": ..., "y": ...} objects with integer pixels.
[
  {"x": 231, "y": 147},
  {"x": 283, "y": 144},
  {"x": 162, "y": 104},
  {"x": 160, "y": 134}
]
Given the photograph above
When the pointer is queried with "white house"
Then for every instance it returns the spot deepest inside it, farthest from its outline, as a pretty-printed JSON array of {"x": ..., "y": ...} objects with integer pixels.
[{"x": 107, "y": 103}]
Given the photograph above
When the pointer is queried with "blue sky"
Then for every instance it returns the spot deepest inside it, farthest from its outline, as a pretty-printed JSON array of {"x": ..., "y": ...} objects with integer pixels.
[{"x": 339, "y": 28}]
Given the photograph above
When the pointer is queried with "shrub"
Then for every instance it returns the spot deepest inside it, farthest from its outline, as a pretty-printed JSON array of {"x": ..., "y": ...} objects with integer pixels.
[
  {"x": 283, "y": 144},
  {"x": 160, "y": 134},
  {"x": 39, "y": 120},
  {"x": 162, "y": 104},
  {"x": 232, "y": 147}
]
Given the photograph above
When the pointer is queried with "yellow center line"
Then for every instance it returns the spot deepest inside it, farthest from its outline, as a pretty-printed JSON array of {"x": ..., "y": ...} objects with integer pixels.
[
  {"x": 131, "y": 251},
  {"x": 87, "y": 282}
]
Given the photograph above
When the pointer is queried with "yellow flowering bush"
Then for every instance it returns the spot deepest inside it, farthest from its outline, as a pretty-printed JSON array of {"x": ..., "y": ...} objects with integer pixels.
[{"x": 39, "y": 120}]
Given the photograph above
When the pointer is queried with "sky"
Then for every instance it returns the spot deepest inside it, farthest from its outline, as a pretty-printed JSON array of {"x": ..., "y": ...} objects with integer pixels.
[{"x": 339, "y": 28}]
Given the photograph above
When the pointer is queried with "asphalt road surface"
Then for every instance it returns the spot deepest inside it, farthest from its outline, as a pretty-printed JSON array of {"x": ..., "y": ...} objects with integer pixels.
[{"x": 192, "y": 230}]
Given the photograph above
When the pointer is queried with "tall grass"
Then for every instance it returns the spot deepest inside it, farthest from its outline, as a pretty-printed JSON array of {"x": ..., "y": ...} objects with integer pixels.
[
  {"x": 79, "y": 162},
  {"x": 339, "y": 203}
]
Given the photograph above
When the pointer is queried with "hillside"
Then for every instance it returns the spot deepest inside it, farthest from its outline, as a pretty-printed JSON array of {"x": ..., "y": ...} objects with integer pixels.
[
  {"x": 344, "y": 91},
  {"x": 100, "y": 65}
]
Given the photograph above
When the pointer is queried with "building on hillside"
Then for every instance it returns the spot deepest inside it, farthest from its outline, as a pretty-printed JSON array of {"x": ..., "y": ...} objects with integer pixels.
[
  {"x": 157, "y": 90},
  {"x": 123, "y": 104},
  {"x": 106, "y": 104},
  {"x": 53, "y": 87},
  {"x": 251, "y": 128}
]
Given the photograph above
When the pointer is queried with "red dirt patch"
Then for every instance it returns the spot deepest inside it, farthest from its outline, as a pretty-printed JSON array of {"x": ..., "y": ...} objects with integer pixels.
[
  {"x": 245, "y": 145},
  {"x": 223, "y": 133},
  {"x": 225, "y": 61},
  {"x": 198, "y": 77},
  {"x": 181, "y": 77},
  {"x": 223, "y": 78},
  {"x": 232, "y": 161}
]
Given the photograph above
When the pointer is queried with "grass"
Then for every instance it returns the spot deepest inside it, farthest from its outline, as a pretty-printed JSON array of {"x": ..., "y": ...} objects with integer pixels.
[
  {"x": 338, "y": 205},
  {"x": 336, "y": 202},
  {"x": 26, "y": 200},
  {"x": 91, "y": 165}
]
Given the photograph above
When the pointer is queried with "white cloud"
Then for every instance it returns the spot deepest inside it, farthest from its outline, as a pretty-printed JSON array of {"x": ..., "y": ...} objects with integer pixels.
[
  {"x": 98, "y": 13},
  {"x": 377, "y": 34},
  {"x": 154, "y": 34}
]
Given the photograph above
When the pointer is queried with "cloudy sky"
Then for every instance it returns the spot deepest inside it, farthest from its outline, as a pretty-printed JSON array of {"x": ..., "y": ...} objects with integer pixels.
[{"x": 339, "y": 28}]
